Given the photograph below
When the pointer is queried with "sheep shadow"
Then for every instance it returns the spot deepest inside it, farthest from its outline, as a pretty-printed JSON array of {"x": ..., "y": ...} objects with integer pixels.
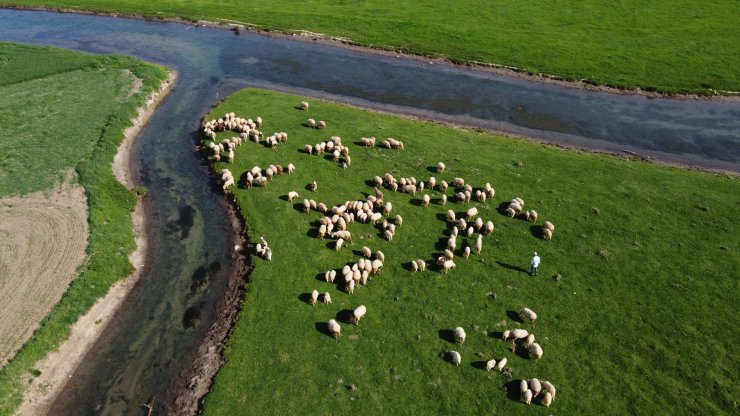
[
  {"x": 306, "y": 125},
  {"x": 512, "y": 390},
  {"x": 447, "y": 335},
  {"x": 496, "y": 334},
  {"x": 358, "y": 253},
  {"x": 298, "y": 107},
  {"x": 417, "y": 202},
  {"x": 284, "y": 197},
  {"x": 242, "y": 182},
  {"x": 308, "y": 187},
  {"x": 537, "y": 231},
  {"x": 407, "y": 265},
  {"x": 432, "y": 169},
  {"x": 514, "y": 316},
  {"x": 441, "y": 244},
  {"x": 299, "y": 207},
  {"x": 441, "y": 217},
  {"x": 514, "y": 268},
  {"x": 323, "y": 327},
  {"x": 346, "y": 316},
  {"x": 481, "y": 365},
  {"x": 371, "y": 183},
  {"x": 521, "y": 351},
  {"x": 312, "y": 232},
  {"x": 305, "y": 297},
  {"x": 321, "y": 277}
]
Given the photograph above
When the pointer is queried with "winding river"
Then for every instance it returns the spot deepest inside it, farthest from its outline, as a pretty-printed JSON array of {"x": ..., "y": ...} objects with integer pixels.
[{"x": 169, "y": 310}]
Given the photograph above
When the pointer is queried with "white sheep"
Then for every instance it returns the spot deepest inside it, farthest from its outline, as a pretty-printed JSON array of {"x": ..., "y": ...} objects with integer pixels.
[
  {"x": 548, "y": 226},
  {"x": 447, "y": 253},
  {"x": 414, "y": 266},
  {"x": 471, "y": 231},
  {"x": 547, "y": 399},
  {"x": 448, "y": 265},
  {"x": 330, "y": 276},
  {"x": 527, "y": 397},
  {"x": 292, "y": 195},
  {"x": 327, "y": 298},
  {"x": 472, "y": 212},
  {"x": 516, "y": 334},
  {"x": 399, "y": 220},
  {"x": 307, "y": 205},
  {"x": 358, "y": 313},
  {"x": 460, "y": 334},
  {"x": 479, "y": 243},
  {"x": 451, "y": 215},
  {"x": 452, "y": 243},
  {"x": 533, "y": 215},
  {"x": 441, "y": 167},
  {"x": 526, "y": 314},
  {"x": 489, "y": 227},
  {"x": 321, "y": 125},
  {"x": 380, "y": 256},
  {"x": 535, "y": 351},
  {"x": 304, "y": 106},
  {"x": 443, "y": 199},
  {"x": 338, "y": 244},
  {"x": 456, "y": 358},
  {"x": 335, "y": 329},
  {"x": 549, "y": 388},
  {"x": 547, "y": 234},
  {"x": 529, "y": 340},
  {"x": 311, "y": 123},
  {"x": 426, "y": 200},
  {"x": 466, "y": 252},
  {"x": 421, "y": 264},
  {"x": 314, "y": 297},
  {"x": 490, "y": 365},
  {"x": 501, "y": 364},
  {"x": 388, "y": 235},
  {"x": 366, "y": 252},
  {"x": 523, "y": 387},
  {"x": 535, "y": 386}
]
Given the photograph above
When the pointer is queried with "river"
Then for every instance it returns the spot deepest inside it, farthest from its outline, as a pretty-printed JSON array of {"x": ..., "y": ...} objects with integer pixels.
[{"x": 152, "y": 338}]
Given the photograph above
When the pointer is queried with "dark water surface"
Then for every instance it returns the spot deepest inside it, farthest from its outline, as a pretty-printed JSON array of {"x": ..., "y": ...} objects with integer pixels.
[{"x": 148, "y": 343}]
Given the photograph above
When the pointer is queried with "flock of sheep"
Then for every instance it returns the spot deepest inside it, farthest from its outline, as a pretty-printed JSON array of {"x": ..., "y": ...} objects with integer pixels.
[{"x": 375, "y": 210}]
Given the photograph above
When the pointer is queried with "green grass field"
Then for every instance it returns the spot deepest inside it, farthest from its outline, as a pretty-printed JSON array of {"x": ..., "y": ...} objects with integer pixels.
[
  {"x": 677, "y": 47},
  {"x": 641, "y": 322},
  {"x": 67, "y": 110}
]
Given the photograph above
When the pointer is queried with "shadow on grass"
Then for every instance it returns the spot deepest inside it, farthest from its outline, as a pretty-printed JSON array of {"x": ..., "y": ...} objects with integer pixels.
[
  {"x": 299, "y": 207},
  {"x": 323, "y": 327},
  {"x": 442, "y": 217},
  {"x": 417, "y": 202},
  {"x": 345, "y": 316},
  {"x": 481, "y": 365},
  {"x": 305, "y": 297},
  {"x": 321, "y": 277},
  {"x": 521, "y": 351},
  {"x": 512, "y": 390},
  {"x": 407, "y": 265},
  {"x": 447, "y": 335},
  {"x": 496, "y": 334},
  {"x": 502, "y": 208},
  {"x": 284, "y": 197},
  {"x": 432, "y": 169},
  {"x": 514, "y": 316},
  {"x": 537, "y": 231},
  {"x": 441, "y": 244},
  {"x": 514, "y": 268}
]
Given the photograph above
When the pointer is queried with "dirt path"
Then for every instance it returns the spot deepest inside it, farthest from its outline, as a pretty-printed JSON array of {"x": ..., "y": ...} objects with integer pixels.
[
  {"x": 58, "y": 366},
  {"x": 43, "y": 237}
]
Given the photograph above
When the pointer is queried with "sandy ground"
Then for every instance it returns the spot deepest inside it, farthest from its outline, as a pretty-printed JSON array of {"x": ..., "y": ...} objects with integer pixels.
[
  {"x": 59, "y": 365},
  {"x": 43, "y": 237}
]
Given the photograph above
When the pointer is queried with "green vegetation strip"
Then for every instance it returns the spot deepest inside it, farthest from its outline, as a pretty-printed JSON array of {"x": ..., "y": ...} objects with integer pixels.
[
  {"x": 635, "y": 292},
  {"x": 681, "y": 46},
  {"x": 62, "y": 110}
]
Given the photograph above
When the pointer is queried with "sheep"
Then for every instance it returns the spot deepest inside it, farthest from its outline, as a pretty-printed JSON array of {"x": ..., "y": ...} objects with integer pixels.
[
  {"x": 314, "y": 186},
  {"x": 377, "y": 266},
  {"x": 330, "y": 276},
  {"x": 366, "y": 252},
  {"x": 510, "y": 212},
  {"x": 454, "y": 231},
  {"x": 399, "y": 220},
  {"x": 451, "y": 215},
  {"x": 228, "y": 182},
  {"x": 448, "y": 254},
  {"x": 338, "y": 244},
  {"x": 549, "y": 388},
  {"x": 321, "y": 207},
  {"x": 460, "y": 335},
  {"x": 501, "y": 364},
  {"x": 535, "y": 351},
  {"x": 471, "y": 231},
  {"x": 532, "y": 215},
  {"x": 322, "y": 231},
  {"x": 529, "y": 340},
  {"x": 458, "y": 182},
  {"x": 547, "y": 399},
  {"x": 466, "y": 252},
  {"x": 358, "y": 313},
  {"x": 535, "y": 386},
  {"x": 425, "y": 200},
  {"x": 335, "y": 329},
  {"x": 258, "y": 121},
  {"x": 314, "y": 297},
  {"x": 321, "y": 125},
  {"x": 523, "y": 387},
  {"x": 414, "y": 266},
  {"x": 311, "y": 123},
  {"x": 443, "y": 186},
  {"x": 472, "y": 212},
  {"x": 448, "y": 264},
  {"x": 518, "y": 333},
  {"x": 268, "y": 254},
  {"x": 421, "y": 264},
  {"x": 292, "y": 195},
  {"x": 527, "y": 397},
  {"x": 462, "y": 223},
  {"x": 490, "y": 365},
  {"x": 548, "y": 226},
  {"x": 489, "y": 227},
  {"x": 387, "y": 208},
  {"x": 526, "y": 314},
  {"x": 304, "y": 106},
  {"x": 307, "y": 205},
  {"x": 351, "y": 286},
  {"x": 441, "y": 167},
  {"x": 380, "y": 256},
  {"x": 479, "y": 244},
  {"x": 547, "y": 234},
  {"x": 443, "y": 199},
  {"x": 327, "y": 298},
  {"x": 452, "y": 243},
  {"x": 456, "y": 358},
  {"x": 375, "y": 217},
  {"x": 388, "y": 235}
]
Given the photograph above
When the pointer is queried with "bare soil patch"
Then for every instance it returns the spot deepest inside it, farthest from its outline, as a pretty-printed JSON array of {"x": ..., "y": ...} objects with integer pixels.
[
  {"x": 43, "y": 237},
  {"x": 57, "y": 367}
]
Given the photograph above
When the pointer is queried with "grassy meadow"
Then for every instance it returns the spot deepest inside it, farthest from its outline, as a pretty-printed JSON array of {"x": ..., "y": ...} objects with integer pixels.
[
  {"x": 680, "y": 46},
  {"x": 641, "y": 320},
  {"x": 65, "y": 110}
]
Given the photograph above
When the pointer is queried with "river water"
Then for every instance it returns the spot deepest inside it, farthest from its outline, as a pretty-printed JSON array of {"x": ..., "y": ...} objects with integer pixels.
[{"x": 168, "y": 312}]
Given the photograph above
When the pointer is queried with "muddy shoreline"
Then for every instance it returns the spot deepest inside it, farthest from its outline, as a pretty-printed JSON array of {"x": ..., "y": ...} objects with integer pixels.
[
  {"x": 59, "y": 365},
  {"x": 311, "y": 37}
]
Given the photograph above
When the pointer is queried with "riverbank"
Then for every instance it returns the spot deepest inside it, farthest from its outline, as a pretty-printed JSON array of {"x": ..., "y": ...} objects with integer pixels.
[
  {"x": 582, "y": 82},
  {"x": 58, "y": 366}
]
